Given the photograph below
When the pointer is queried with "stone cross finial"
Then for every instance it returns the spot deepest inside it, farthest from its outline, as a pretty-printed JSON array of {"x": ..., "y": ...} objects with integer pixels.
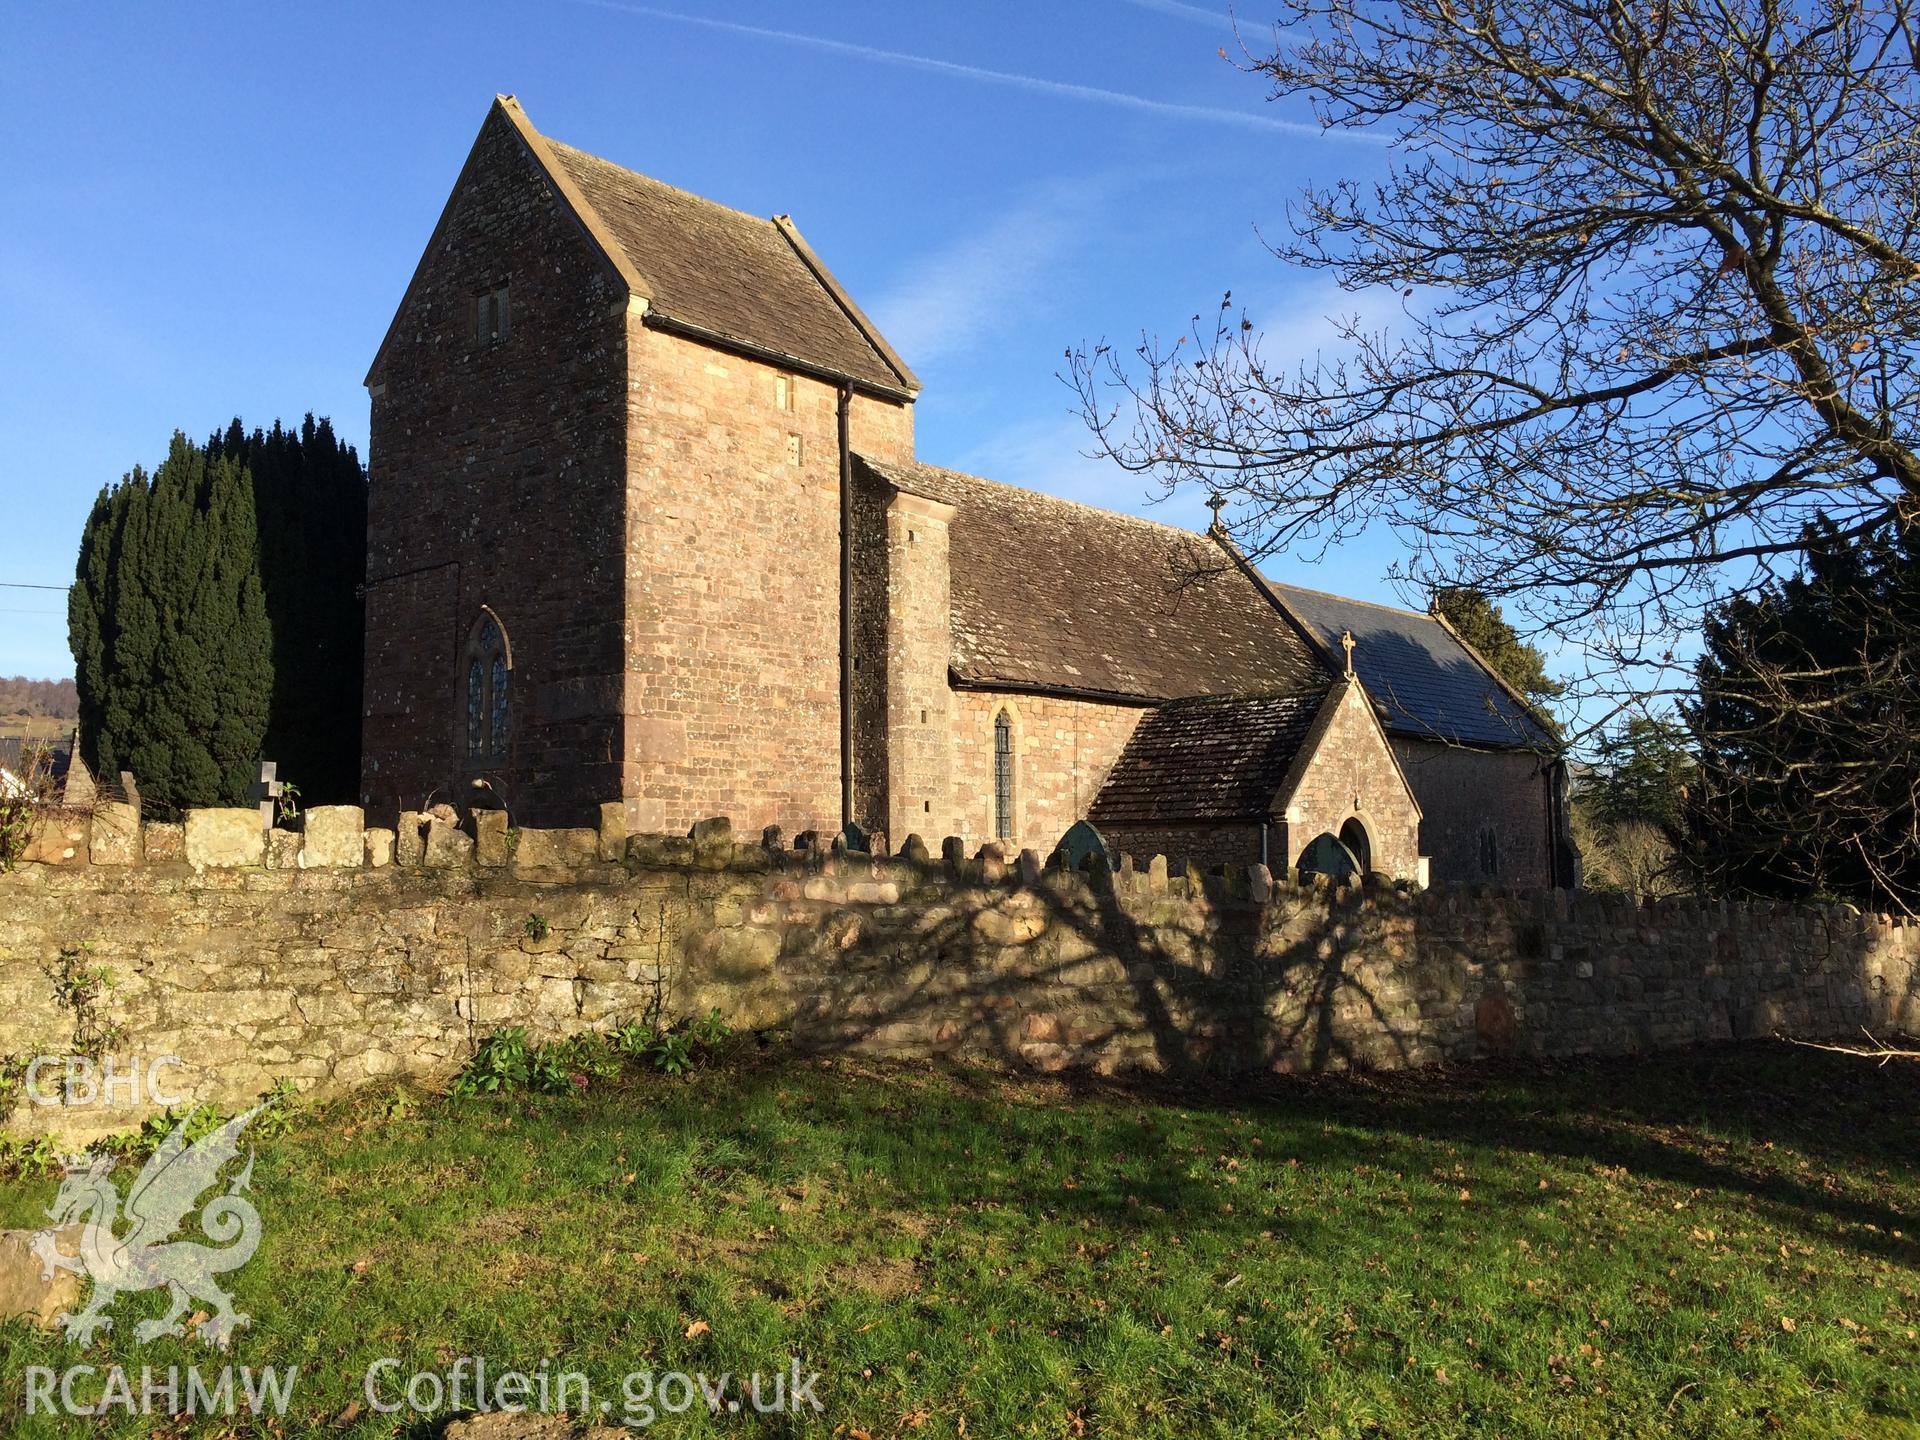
[
  {"x": 1346, "y": 643},
  {"x": 1216, "y": 503},
  {"x": 267, "y": 790}
]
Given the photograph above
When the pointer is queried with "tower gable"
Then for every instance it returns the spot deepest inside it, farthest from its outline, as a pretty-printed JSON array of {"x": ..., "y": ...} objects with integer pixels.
[{"x": 497, "y": 488}]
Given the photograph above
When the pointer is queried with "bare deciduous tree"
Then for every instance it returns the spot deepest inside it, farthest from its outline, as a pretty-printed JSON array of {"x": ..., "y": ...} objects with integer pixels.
[{"x": 1662, "y": 306}]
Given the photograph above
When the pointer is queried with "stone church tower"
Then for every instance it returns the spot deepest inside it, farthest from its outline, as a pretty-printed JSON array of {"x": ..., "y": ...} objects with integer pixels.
[
  {"x": 612, "y": 427},
  {"x": 646, "y": 524}
]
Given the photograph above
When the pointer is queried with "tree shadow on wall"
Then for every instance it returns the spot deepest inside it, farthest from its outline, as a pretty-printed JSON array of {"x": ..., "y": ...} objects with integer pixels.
[
  {"x": 1199, "y": 991},
  {"x": 1113, "y": 972}
]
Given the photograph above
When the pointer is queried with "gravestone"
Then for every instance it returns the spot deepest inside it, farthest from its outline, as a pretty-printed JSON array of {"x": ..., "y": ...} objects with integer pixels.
[
  {"x": 1080, "y": 841},
  {"x": 267, "y": 790}
]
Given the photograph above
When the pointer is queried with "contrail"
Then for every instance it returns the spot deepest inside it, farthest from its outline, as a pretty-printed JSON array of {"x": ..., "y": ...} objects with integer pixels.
[
  {"x": 1186, "y": 11},
  {"x": 1033, "y": 83}
]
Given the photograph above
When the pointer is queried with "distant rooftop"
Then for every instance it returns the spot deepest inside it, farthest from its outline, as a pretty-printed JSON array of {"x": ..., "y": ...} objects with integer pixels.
[{"x": 1430, "y": 686}]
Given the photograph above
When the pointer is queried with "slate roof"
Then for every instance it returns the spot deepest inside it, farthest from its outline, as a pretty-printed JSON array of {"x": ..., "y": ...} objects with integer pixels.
[
  {"x": 1429, "y": 685},
  {"x": 738, "y": 276},
  {"x": 1055, "y": 596},
  {"x": 1214, "y": 758}
]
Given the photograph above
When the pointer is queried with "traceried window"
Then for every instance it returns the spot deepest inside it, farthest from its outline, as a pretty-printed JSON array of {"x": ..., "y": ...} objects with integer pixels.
[
  {"x": 489, "y": 683},
  {"x": 1003, "y": 776}
]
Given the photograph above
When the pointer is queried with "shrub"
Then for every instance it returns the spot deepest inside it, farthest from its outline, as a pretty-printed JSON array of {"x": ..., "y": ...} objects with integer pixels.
[
  {"x": 505, "y": 1062},
  {"x": 24, "y": 798},
  {"x": 499, "y": 1065}
]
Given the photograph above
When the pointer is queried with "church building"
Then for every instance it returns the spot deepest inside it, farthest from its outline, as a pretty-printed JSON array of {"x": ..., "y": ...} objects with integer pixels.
[{"x": 646, "y": 523}]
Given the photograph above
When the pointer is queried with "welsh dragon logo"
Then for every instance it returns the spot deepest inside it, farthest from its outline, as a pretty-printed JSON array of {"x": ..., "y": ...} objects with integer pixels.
[{"x": 146, "y": 1256}]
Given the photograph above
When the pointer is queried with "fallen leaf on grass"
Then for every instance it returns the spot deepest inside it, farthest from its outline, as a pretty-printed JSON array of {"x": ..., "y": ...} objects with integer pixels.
[{"x": 699, "y": 1327}]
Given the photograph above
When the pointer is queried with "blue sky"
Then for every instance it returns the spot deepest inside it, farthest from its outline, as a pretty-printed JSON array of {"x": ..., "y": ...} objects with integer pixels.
[{"x": 212, "y": 210}]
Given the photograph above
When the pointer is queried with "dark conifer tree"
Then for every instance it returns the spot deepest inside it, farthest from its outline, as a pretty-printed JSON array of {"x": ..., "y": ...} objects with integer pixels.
[
  {"x": 1808, "y": 728},
  {"x": 310, "y": 500},
  {"x": 169, "y": 631}
]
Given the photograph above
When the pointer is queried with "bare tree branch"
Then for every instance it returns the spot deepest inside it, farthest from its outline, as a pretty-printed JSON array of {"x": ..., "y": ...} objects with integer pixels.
[{"x": 1662, "y": 305}]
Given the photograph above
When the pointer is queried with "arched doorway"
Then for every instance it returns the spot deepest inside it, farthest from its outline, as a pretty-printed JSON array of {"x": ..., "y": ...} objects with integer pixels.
[{"x": 1353, "y": 835}]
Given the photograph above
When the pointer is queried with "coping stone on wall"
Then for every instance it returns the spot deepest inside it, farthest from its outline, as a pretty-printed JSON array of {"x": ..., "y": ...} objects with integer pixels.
[
  {"x": 162, "y": 843},
  {"x": 333, "y": 836},
  {"x": 447, "y": 845},
  {"x": 712, "y": 842},
  {"x": 492, "y": 840},
  {"x": 115, "y": 838},
  {"x": 225, "y": 837},
  {"x": 613, "y": 830},
  {"x": 283, "y": 849},
  {"x": 550, "y": 849},
  {"x": 409, "y": 841},
  {"x": 659, "y": 852},
  {"x": 57, "y": 839}
]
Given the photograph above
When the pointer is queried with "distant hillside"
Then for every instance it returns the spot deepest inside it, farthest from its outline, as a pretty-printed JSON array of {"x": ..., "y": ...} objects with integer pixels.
[{"x": 24, "y": 699}]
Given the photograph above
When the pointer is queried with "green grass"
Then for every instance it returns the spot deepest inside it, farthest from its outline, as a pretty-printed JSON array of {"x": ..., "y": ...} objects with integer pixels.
[{"x": 1722, "y": 1243}]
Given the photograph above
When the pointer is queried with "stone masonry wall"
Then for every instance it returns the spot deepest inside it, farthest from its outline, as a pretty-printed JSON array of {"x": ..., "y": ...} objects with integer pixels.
[
  {"x": 342, "y": 956},
  {"x": 497, "y": 480},
  {"x": 1201, "y": 846},
  {"x": 1062, "y": 749},
  {"x": 919, "y": 642},
  {"x": 732, "y": 588},
  {"x": 1351, "y": 775},
  {"x": 1479, "y": 804}
]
